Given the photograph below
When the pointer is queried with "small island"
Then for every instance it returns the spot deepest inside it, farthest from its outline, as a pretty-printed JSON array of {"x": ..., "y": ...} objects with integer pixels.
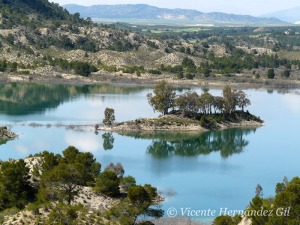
[
  {"x": 6, "y": 135},
  {"x": 189, "y": 112}
]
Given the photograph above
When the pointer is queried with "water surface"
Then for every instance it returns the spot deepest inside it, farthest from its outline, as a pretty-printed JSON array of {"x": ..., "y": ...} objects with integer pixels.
[{"x": 210, "y": 170}]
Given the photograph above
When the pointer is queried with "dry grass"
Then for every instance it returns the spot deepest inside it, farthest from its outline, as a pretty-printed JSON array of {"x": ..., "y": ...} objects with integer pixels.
[{"x": 290, "y": 55}]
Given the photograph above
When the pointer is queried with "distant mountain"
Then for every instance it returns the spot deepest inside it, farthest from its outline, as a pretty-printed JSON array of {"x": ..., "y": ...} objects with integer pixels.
[
  {"x": 291, "y": 15},
  {"x": 143, "y": 11}
]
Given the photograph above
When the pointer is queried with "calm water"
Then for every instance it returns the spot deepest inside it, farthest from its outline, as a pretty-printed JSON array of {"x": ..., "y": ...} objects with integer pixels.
[{"x": 212, "y": 170}]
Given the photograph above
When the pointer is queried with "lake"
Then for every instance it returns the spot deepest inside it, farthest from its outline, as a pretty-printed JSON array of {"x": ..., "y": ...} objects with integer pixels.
[{"x": 211, "y": 170}]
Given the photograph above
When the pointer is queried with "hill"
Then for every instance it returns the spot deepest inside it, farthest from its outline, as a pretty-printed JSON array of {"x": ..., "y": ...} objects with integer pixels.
[
  {"x": 44, "y": 42},
  {"x": 143, "y": 11},
  {"x": 291, "y": 15},
  {"x": 31, "y": 30},
  {"x": 32, "y": 13}
]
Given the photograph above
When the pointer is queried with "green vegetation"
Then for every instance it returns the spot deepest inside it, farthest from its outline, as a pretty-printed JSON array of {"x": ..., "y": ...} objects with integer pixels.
[
  {"x": 141, "y": 200},
  {"x": 14, "y": 13},
  {"x": 283, "y": 209},
  {"x": 61, "y": 183},
  {"x": 227, "y": 220},
  {"x": 15, "y": 189},
  {"x": 108, "y": 184},
  {"x": 205, "y": 109},
  {"x": 163, "y": 99},
  {"x": 42, "y": 36},
  {"x": 53, "y": 182},
  {"x": 271, "y": 74},
  {"x": 6, "y": 135},
  {"x": 109, "y": 117}
]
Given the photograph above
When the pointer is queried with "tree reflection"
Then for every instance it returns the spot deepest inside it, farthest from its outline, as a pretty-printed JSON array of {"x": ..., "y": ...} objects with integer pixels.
[
  {"x": 160, "y": 149},
  {"x": 108, "y": 141},
  {"x": 30, "y": 98},
  {"x": 2, "y": 142},
  {"x": 227, "y": 142}
]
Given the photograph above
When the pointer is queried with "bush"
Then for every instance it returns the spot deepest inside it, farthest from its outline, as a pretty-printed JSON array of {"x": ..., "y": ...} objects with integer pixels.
[
  {"x": 83, "y": 68},
  {"x": 271, "y": 74},
  {"x": 107, "y": 183},
  {"x": 189, "y": 76},
  {"x": 227, "y": 220},
  {"x": 207, "y": 122},
  {"x": 154, "y": 71},
  {"x": 286, "y": 73}
]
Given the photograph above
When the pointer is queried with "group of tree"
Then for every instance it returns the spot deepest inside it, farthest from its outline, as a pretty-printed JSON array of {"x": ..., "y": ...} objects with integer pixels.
[
  {"x": 6, "y": 66},
  {"x": 165, "y": 98},
  {"x": 60, "y": 178},
  {"x": 80, "y": 68},
  {"x": 235, "y": 63},
  {"x": 285, "y": 206}
]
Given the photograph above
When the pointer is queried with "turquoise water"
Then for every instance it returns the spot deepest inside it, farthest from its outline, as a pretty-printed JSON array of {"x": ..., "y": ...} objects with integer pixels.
[{"x": 207, "y": 171}]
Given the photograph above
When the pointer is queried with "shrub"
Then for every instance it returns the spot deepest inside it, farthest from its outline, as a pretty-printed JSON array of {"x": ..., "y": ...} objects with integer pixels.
[
  {"x": 207, "y": 122},
  {"x": 271, "y": 74},
  {"x": 107, "y": 183}
]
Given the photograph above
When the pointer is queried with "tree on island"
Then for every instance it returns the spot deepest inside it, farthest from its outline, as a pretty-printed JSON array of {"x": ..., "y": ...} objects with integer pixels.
[
  {"x": 109, "y": 116},
  {"x": 242, "y": 100},
  {"x": 163, "y": 99},
  {"x": 191, "y": 104},
  {"x": 230, "y": 100},
  {"x": 188, "y": 102}
]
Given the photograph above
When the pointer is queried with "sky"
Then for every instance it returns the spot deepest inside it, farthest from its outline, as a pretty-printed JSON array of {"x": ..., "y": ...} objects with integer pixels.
[{"x": 250, "y": 7}]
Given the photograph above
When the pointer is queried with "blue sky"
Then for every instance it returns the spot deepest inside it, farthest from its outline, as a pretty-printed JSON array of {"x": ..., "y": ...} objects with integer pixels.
[{"x": 251, "y": 7}]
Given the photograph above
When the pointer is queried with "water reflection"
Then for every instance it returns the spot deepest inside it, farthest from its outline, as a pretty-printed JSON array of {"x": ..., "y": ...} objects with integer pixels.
[
  {"x": 227, "y": 142},
  {"x": 2, "y": 142},
  {"x": 108, "y": 141},
  {"x": 30, "y": 98}
]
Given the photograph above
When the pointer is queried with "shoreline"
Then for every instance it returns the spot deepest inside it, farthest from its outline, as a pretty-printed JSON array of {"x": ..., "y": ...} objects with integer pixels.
[
  {"x": 124, "y": 129},
  {"x": 6, "y": 134},
  {"x": 170, "y": 123},
  {"x": 150, "y": 81}
]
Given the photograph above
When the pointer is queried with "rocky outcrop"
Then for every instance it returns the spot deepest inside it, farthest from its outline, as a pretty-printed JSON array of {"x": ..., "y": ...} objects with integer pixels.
[{"x": 6, "y": 135}]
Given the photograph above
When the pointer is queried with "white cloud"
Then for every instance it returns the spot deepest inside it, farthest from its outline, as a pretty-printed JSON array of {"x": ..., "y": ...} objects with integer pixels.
[
  {"x": 292, "y": 101},
  {"x": 86, "y": 142}
]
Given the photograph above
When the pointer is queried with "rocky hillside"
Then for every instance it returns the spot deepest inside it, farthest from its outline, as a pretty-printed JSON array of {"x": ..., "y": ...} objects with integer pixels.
[{"x": 43, "y": 41}]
